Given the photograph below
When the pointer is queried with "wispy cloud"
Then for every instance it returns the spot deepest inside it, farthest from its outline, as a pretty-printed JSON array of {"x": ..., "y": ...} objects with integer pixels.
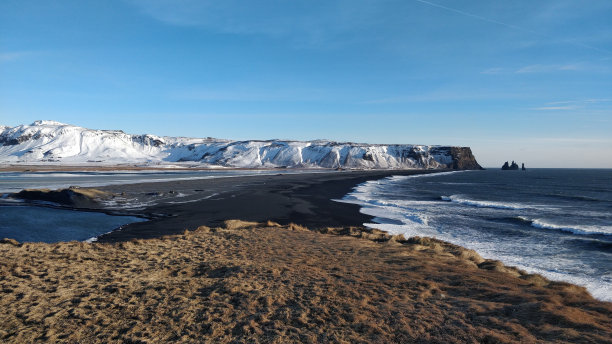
[
  {"x": 578, "y": 140},
  {"x": 549, "y": 68},
  {"x": 458, "y": 94},
  {"x": 13, "y": 55},
  {"x": 542, "y": 68},
  {"x": 598, "y": 100},
  {"x": 552, "y": 108},
  {"x": 592, "y": 104},
  {"x": 303, "y": 20}
]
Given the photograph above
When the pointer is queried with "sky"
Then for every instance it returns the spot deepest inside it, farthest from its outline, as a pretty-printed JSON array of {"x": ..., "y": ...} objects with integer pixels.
[{"x": 521, "y": 80}]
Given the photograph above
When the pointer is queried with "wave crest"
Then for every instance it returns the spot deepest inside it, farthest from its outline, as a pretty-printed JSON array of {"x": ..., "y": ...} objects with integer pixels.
[
  {"x": 483, "y": 204},
  {"x": 576, "y": 229}
]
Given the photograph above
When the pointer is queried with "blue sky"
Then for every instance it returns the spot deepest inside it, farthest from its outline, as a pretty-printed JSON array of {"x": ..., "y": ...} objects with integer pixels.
[{"x": 515, "y": 80}]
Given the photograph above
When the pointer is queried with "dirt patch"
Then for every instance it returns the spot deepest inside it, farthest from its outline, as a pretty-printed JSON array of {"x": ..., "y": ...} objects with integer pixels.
[{"x": 280, "y": 284}]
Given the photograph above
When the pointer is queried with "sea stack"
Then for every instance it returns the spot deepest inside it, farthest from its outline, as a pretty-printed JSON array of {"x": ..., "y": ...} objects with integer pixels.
[{"x": 513, "y": 166}]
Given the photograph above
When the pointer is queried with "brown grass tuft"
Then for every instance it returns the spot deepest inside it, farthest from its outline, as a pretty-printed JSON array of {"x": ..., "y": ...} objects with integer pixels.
[
  {"x": 295, "y": 227},
  {"x": 10, "y": 242},
  {"x": 90, "y": 192},
  {"x": 536, "y": 280},
  {"x": 239, "y": 224},
  {"x": 204, "y": 229},
  {"x": 398, "y": 238},
  {"x": 496, "y": 265},
  {"x": 272, "y": 224}
]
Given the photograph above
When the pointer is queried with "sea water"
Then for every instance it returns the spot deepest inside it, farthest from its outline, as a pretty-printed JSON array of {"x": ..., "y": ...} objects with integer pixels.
[
  {"x": 26, "y": 223},
  {"x": 555, "y": 222},
  {"x": 17, "y": 181}
]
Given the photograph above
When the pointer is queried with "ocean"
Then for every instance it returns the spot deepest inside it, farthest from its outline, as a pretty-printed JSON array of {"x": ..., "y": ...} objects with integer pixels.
[{"x": 554, "y": 222}]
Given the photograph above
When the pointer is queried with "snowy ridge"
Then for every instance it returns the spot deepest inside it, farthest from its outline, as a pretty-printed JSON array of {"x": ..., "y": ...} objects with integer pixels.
[{"x": 54, "y": 142}]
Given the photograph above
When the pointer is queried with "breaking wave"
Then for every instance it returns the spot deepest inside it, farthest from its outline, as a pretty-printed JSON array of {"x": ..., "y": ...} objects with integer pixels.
[
  {"x": 576, "y": 229},
  {"x": 483, "y": 204},
  {"x": 492, "y": 212}
]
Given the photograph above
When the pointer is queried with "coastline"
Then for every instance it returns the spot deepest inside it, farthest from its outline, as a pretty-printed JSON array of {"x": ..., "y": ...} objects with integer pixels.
[
  {"x": 306, "y": 199},
  {"x": 189, "y": 274}
]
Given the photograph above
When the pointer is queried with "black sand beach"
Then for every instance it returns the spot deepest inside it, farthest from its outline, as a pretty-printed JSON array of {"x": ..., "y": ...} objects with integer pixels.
[{"x": 305, "y": 199}]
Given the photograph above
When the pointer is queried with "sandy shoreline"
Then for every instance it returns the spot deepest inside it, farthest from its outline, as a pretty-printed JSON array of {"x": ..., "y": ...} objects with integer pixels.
[{"x": 305, "y": 199}]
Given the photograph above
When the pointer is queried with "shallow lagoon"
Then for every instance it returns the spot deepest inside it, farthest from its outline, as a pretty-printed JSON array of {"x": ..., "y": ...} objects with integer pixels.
[{"x": 26, "y": 223}]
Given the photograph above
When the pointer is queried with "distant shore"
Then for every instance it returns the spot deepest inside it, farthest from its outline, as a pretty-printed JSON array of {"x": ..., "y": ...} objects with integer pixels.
[{"x": 127, "y": 167}]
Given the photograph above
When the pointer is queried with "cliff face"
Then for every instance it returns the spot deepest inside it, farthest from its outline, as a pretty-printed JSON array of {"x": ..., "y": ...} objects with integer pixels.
[
  {"x": 54, "y": 142},
  {"x": 463, "y": 159}
]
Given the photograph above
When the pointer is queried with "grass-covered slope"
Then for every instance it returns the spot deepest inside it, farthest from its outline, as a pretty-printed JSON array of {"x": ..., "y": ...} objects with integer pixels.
[{"x": 261, "y": 283}]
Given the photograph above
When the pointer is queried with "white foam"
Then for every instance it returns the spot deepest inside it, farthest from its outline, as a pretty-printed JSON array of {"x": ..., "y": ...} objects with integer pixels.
[
  {"x": 193, "y": 200},
  {"x": 484, "y": 204},
  {"x": 92, "y": 239},
  {"x": 436, "y": 174},
  {"x": 428, "y": 218},
  {"x": 600, "y": 287},
  {"x": 576, "y": 229}
]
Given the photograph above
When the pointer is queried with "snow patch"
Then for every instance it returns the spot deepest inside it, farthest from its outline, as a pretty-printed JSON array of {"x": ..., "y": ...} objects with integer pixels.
[{"x": 52, "y": 142}]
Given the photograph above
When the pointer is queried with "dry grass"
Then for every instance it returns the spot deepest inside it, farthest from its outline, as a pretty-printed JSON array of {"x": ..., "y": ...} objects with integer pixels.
[
  {"x": 91, "y": 193},
  {"x": 274, "y": 284}
]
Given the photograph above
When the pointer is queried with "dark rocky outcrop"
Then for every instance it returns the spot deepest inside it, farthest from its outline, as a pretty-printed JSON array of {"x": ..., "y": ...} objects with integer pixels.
[
  {"x": 463, "y": 159},
  {"x": 514, "y": 166},
  {"x": 73, "y": 196}
]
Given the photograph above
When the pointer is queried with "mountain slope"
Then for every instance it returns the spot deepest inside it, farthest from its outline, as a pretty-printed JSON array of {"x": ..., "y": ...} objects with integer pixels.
[{"x": 54, "y": 142}]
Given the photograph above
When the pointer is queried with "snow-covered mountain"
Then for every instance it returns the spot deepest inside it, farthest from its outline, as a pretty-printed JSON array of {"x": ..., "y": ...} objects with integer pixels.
[{"x": 54, "y": 142}]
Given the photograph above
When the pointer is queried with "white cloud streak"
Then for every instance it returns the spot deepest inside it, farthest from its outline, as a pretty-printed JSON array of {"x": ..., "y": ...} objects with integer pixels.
[
  {"x": 14, "y": 55},
  {"x": 584, "y": 104},
  {"x": 539, "y": 68},
  {"x": 552, "y": 108}
]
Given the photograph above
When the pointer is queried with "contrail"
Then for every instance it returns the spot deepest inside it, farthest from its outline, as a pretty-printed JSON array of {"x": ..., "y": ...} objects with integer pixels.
[
  {"x": 475, "y": 16},
  {"x": 505, "y": 24}
]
